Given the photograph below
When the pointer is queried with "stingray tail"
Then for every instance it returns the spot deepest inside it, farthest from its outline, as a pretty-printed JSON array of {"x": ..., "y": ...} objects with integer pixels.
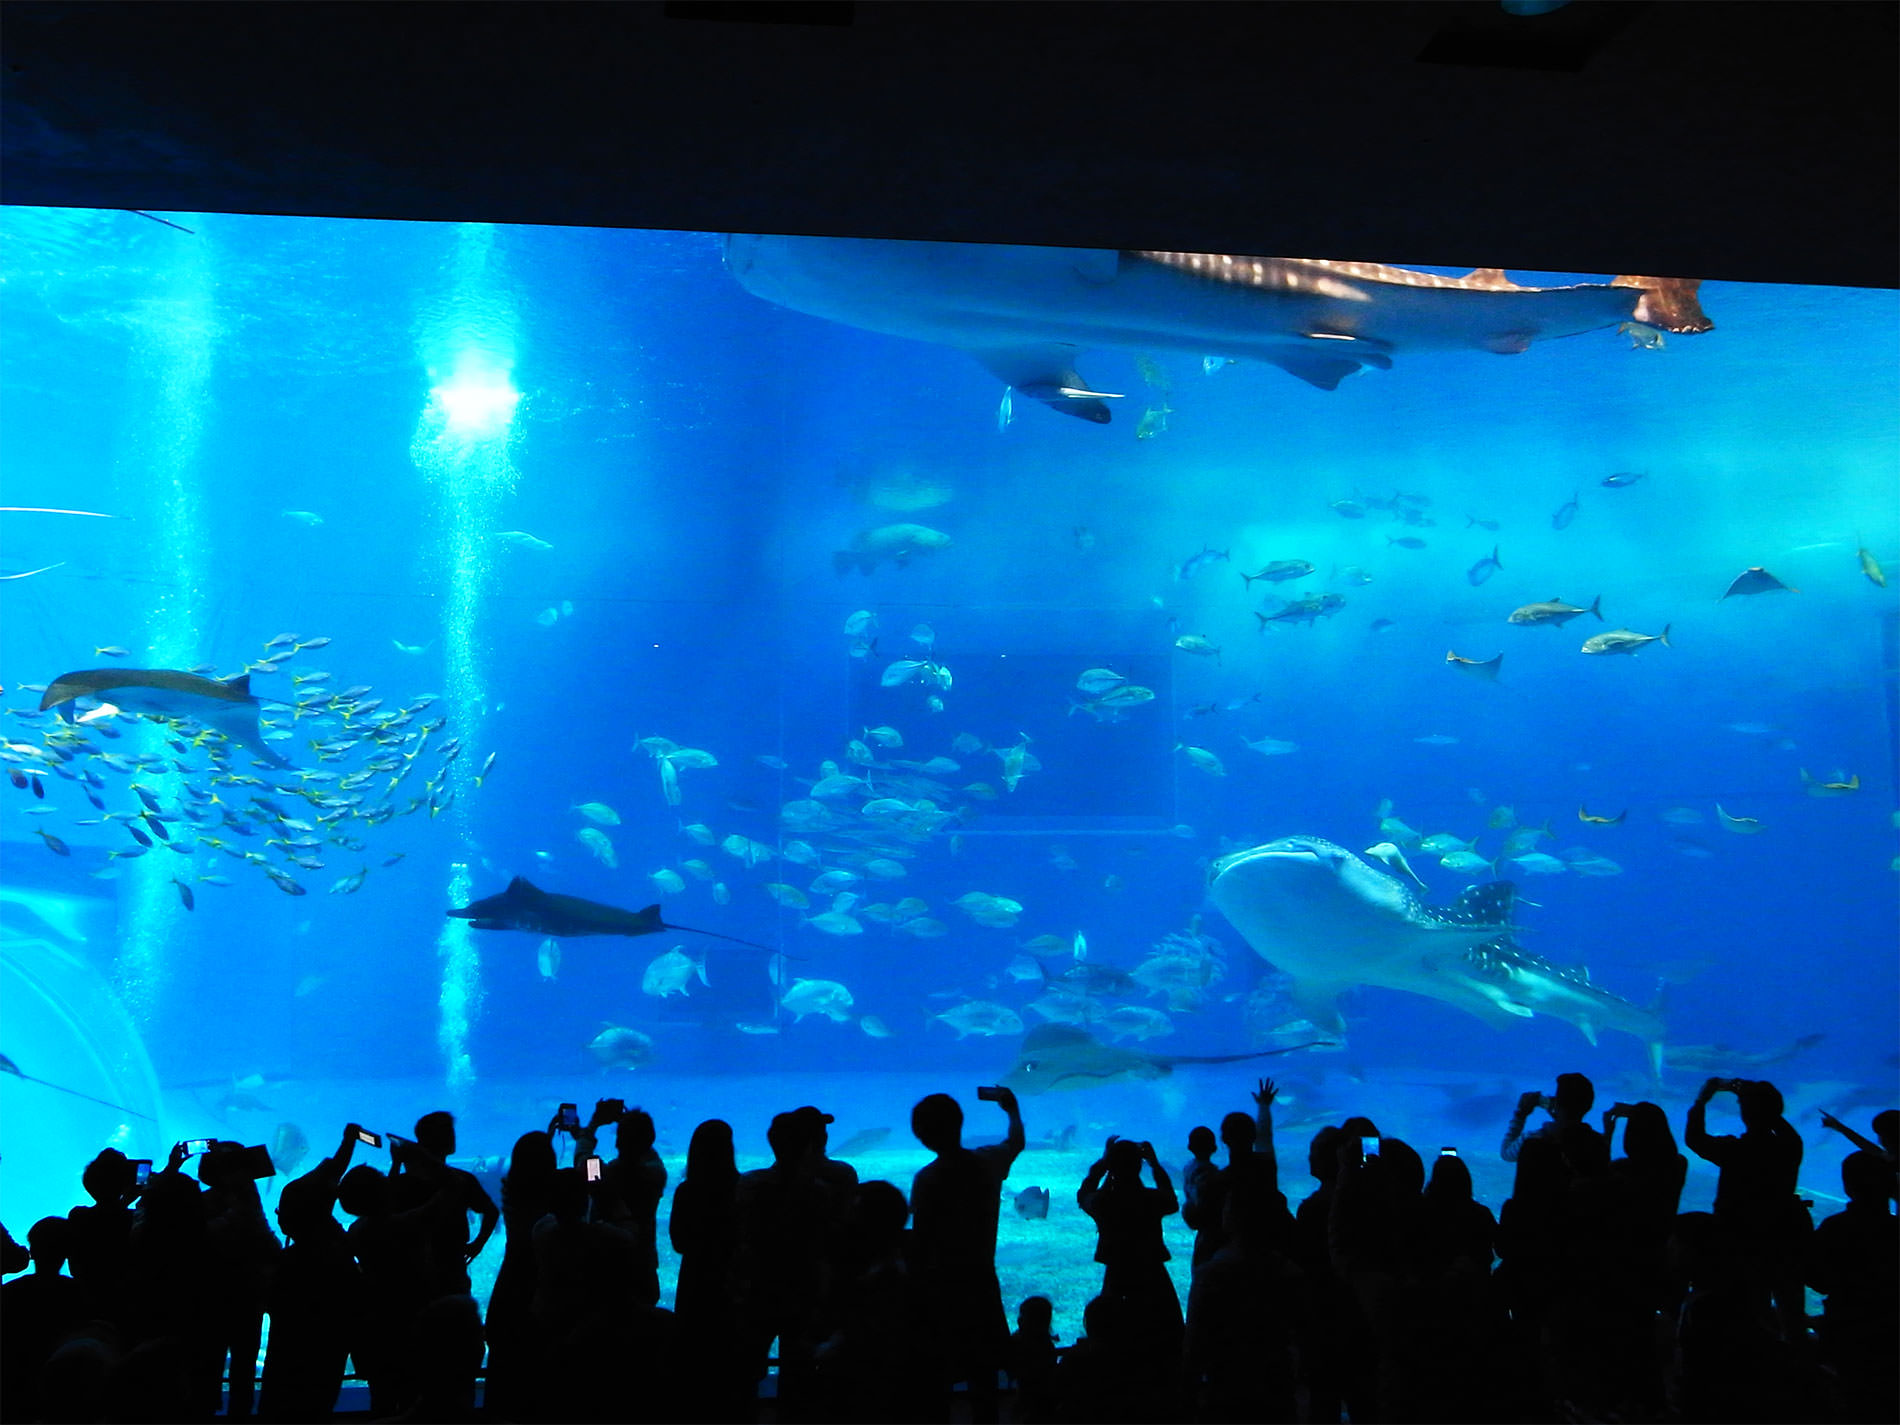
[
  {"x": 103, "y": 1103},
  {"x": 1240, "y": 1058},
  {"x": 729, "y": 939}
]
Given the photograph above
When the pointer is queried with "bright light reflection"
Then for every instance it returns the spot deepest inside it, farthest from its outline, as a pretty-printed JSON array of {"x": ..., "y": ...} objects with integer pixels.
[{"x": 477, "y": 402}]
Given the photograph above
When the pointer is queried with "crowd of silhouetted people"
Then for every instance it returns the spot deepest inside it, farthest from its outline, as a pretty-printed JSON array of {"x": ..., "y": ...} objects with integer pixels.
[{"x": 1388, "y": 1294}]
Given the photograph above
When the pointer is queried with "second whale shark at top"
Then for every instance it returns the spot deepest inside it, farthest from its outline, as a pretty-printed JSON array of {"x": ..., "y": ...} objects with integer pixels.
[{"x": 1026, "y": 312}]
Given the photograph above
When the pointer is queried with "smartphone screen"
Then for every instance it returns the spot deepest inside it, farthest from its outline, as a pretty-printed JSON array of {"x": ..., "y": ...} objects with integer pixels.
[
  {"x": 1447, "y": 1152},
  {"x": 593, "y": 1170},
  {"x": 142, "y": 1171},
  {"x": 1369, "y": 1147},
  {"x": 369, "y": 1139},
  {"x": 570, "y": 1117},
  {"x": 197, "y": 1145}
]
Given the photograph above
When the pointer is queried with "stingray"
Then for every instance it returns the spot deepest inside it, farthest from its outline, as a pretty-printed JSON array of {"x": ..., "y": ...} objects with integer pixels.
[
  {"x": 225, "y": 705},
  {"x": 1060, "y": 1056},
  {"x": 1026, "y": 312},
  {"x": 1331, "y": 921},
  {"x": 525, "y": 906},
  {"x": 1756, "y": 580},
  {"x": 7, "y": 1066}
]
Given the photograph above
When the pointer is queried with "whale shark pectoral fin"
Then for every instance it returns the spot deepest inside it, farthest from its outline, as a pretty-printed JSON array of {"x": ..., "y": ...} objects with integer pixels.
[
  {"x": 1046, "y": 372},
  {"x": 1589, "y": 1031},
  {"x": 1319, "y": 1001},
  {"x": 1326, "y": 370}
]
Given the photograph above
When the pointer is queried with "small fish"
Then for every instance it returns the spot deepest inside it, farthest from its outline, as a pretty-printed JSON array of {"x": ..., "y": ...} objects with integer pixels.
[
  {"x": 1279, "y": 571},
  {"x": 1193, "y": 565},
  {"x": 283, "y": 882},
  {"x": 112, "y": 651},
  {"x": 184, "y": 894},
  {"x": 1032, "y": 1204},
  {"x": 1643, "y": 337},
  {"x": 520, "y": 539},
  {"x": 1406, "y": 541},
  {"x": 1484, "y": 568},
  {"x": 412, "y": 649},
  {"x": 350, "y": 885},
  {"x": 1272, "y": 747},
  {"x": 1740, "y": 825},
  {"x": 1395, "y": 858},
  {"x": 1485, "y": 669},
  {"x": 598, "y": 812},
  {"x": 1622, "y": 480},
  {"x": 487, "y": 767},
  {"x": 1472, "y": 521},
  {"x": 1565, "y": 514},
  {"x": 1756, "y": 580},
  {"x": 1617, "y": 820},
  {"x": 1870, "y": 566},
  {"x": 1623, "y": 640},
  {"x": 307, "y": 518},
  {"x": 745, "y": 1028},
  {"x": 1553, "y": 611},
  {"x": 1198, "y": 645},
  {"x": 1380, "y": 625},
  {"x": 1349, "y": 509},
  {"x": 1201, "y": 758}
]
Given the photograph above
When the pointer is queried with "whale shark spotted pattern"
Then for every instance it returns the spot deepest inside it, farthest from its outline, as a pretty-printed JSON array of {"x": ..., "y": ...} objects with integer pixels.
[{"x": 1331, "y": 921}]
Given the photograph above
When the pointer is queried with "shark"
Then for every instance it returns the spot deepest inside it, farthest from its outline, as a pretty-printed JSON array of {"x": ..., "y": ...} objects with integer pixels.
[
  {"x": 1026, "y": 313},
  {"x": 1331, "y": 921},
  {"x": 525, "y": 906},
  {"x": 1060, "y": 1056},
  {"x": 223, "y": 704}
]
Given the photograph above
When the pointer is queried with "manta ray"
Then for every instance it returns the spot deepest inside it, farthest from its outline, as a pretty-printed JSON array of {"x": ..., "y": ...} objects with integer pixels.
[
  {"x": 525, "y": 906},
  {"x": 1026, "y": 312},
  {"x": 1060, "y": 1056},
  {"x": 224, "y": 705},
  {"x": 1331, "y": 921}
]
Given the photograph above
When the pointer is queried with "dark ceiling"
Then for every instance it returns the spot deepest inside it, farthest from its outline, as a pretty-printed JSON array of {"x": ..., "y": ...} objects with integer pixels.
[{"x": 1744, "y": 141}]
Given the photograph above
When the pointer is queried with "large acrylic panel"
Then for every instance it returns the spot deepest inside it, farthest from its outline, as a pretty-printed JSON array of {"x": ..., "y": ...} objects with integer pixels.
[{"x": 586, "y": 490}]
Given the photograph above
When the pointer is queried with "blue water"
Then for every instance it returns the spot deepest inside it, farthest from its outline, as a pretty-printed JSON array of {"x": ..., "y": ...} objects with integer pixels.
[{"x": 693, "y": 457}]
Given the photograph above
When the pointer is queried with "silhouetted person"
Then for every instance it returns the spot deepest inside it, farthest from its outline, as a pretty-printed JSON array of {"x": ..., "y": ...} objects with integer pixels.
[
  {"x": 1128, "y": 1217},
  {"x": 1734, "y": 1364},
  {"x": 1852, "y": 1262},
  {"x": 243, "y": 1255},
  {"x": 392, "y": 1249},
  {"x": 102, "y": 1234},
  {"x": 779, "y": 1267},
  {"x": 316, "y": 1296},
  {"x": 1032, "y": 1350},
  {"x": 1105, "y": 1377},
  {"x": 514, "y": 1362},
  {"x": 1248, "y": 1312},
  {"x": 38, "y": 1310},
  {"x": 1312, "y": 1254},
  {"x": 172, "y": 1286},
  {"x": 633, "y": 1183},
  {"x": 419, "y": 1177},
  {"x": 448, "y": 1355},
  {"x": 1649, "y": 1178},
  {"x": 867, "y": 1367},
  {"x": 1200, "y": 1193},
  {"x": 954, "y": 1201},
  {"x": 704, "y": 1229},
  {"x": 1885, "y": 1125},
  {"x": 1755, "y": 1201},
  {"x": 1584, "y": 1150},
  {"x": 1457, "y": 1231},
  {"x": 14, "y": 1256},
  {"x": 1455, "y": 1324}
]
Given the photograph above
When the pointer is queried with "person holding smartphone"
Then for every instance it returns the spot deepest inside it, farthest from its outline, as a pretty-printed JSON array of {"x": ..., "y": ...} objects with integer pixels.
[
  {"x": 954, "y": 1200},
  {"x": 1128, "y": 1244},
  {"x": 1585, "y": 1151},
  {"x": 424, "y": 1170}
]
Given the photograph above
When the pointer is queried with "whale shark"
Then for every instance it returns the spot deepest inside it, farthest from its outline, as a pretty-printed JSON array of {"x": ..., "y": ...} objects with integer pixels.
[
  {"x": 1026, "y": 312},
  {"x": 1331, "y": 921},
  {"x": 1060, "y": 1056},
  {"x": 225, "y": 705},
  {"x": 525, "y": 906}
]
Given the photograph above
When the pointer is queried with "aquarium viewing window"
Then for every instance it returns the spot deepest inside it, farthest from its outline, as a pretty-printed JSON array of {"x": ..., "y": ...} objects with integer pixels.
[{"x": 935, "y": 634}]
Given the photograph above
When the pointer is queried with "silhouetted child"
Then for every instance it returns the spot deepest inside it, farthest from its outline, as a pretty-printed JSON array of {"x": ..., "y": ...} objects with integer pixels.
[
  {"x": 1852, "y": 1262},
  {"x": 1032, "y": 1352},
  {"x": 1200, "y": 1193}
]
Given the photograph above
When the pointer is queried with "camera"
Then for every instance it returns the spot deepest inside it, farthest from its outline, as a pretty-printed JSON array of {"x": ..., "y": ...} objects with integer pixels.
[
  {"x": 369, "y": 1139},
  {"x": 568, "y": 1120},
  {"x": 593, "y": 1170}
]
